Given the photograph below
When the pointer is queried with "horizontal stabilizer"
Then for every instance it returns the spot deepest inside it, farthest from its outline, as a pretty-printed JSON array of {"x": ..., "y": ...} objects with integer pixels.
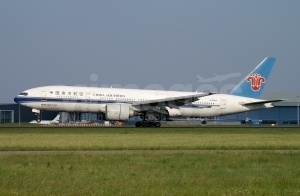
[{"x": 263, "y": 102}]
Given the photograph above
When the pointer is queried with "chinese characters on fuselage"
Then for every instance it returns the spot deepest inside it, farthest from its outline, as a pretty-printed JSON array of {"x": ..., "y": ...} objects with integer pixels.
[{"x": 67, "y": 93}]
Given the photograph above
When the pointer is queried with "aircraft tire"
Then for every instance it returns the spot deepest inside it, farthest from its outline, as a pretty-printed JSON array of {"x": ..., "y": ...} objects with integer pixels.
[
  {"x": 145, "y": 124},
  {"x": 38, "y": 118},
  {"x": 138, "y": 124},
  {"x": 157, "y": 124}
]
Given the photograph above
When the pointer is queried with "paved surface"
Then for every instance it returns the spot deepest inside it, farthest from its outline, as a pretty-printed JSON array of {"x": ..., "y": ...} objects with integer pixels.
[
  {"x": 164, "y": 126},
  {"x": 145, "y": 152}
]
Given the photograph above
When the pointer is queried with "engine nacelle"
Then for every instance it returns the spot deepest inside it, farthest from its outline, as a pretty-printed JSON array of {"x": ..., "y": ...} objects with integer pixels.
[
  {"x": 173, "y": 112},
  {"x": 118, "y": 112}
]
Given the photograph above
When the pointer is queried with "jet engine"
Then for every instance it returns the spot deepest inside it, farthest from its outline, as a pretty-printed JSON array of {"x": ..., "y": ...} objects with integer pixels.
[
  {"x": 173, "y": 112},
  {"x": 118, "y": 112}
]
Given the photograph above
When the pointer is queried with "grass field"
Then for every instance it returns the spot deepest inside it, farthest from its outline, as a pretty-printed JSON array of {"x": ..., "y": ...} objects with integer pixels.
[
  {"x": 149, "y": 139},
  {"x": 247, "y": 164},
  {"x": 151, "y": 174}
]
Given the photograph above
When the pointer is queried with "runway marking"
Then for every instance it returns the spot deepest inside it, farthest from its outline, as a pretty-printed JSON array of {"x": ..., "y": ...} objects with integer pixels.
[{"x": 102, "y": 152}]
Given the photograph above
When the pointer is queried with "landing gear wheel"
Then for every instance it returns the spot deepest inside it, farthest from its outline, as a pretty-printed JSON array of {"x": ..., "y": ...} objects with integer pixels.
[
  {"x": 145, "y": 124},
  {"x": 38, "y": 117},
  {"x": 138, "y": 124},
  {"x": 157, "y": 124}
]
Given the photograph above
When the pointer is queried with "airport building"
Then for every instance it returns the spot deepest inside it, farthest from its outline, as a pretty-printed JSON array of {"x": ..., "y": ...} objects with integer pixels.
[
  {"x": 12, "y": 113},
  {"x": 285, "y": 112}
]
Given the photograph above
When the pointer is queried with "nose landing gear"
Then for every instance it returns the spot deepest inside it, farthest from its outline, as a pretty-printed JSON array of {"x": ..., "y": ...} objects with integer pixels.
[
  {"x": 38, "y": 118},
  {"x": 38, "y": 115}
]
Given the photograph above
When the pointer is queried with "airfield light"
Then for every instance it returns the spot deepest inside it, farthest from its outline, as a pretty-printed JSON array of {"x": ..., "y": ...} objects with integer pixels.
[
  {"x": 19, "y": 115},
  {"x": 298, "y": 110}
]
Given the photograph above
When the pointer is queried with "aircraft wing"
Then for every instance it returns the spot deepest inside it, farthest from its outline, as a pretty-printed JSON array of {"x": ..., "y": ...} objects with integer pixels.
[
  {"x": 263, "y": 102},
  {"x": 172, "y": 102}
]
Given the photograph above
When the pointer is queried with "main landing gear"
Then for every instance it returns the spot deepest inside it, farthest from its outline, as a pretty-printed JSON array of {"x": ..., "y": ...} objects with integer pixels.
[{"x": 145, "y": 123}]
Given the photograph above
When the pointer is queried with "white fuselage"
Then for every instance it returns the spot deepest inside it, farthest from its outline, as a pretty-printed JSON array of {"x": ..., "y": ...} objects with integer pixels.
[{"x": 92, "y": 99}]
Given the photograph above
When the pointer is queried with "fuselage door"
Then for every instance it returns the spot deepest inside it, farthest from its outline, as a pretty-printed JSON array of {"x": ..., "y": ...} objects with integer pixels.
[
  {"x": 87, "y": 101},
  {"x": 223, "y": 104},
  {"x": 44, "y": 96}
]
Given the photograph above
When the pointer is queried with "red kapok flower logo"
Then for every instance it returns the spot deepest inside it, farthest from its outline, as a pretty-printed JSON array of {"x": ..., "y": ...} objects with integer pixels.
[{"x": 256, "y": 80}]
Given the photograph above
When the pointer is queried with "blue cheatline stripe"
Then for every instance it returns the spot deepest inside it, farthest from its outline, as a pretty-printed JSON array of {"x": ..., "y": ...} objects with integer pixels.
[{"x": 66, "y": 100}]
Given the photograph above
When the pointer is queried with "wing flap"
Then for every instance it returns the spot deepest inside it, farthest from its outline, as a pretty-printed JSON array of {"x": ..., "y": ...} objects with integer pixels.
[{"x": 172, "y": 102}]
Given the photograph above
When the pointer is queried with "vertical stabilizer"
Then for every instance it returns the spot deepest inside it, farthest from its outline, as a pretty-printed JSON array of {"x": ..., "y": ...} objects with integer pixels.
[{"x": 253, "y": 84}]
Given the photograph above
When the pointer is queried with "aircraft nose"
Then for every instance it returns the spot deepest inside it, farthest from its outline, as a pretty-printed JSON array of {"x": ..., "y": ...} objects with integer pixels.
[{"x": 16, "y": 99}]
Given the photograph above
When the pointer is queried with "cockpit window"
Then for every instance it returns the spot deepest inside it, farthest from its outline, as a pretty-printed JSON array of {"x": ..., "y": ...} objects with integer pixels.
[{"x": 25, "y": 94}]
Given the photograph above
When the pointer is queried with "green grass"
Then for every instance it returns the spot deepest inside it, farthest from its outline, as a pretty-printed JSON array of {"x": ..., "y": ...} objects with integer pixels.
[
  {"x": 216, "y": 173},
  {"x": 150, "y": 139},
  {"x": 225, "y": 172}
]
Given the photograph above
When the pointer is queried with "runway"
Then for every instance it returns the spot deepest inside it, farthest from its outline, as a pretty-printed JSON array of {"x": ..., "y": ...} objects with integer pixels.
[{"x": 103, "y": 152}]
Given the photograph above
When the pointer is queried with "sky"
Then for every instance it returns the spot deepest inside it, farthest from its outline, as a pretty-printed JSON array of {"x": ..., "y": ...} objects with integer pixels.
[{"x": 146, "y": 44}]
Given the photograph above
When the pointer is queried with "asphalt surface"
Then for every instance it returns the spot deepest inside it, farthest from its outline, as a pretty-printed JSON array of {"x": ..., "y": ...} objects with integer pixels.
[{"x": 102, "y": 152}]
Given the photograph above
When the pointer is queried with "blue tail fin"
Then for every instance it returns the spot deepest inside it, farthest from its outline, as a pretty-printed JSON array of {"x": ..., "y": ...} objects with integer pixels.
[{"x": 253, "y": 84}]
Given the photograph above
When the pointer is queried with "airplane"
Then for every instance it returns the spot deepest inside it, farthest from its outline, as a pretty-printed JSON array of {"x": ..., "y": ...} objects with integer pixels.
[
  {"x": 117, "y": 104},
  {"x": 218, "y": 77},
  {"x": 56, "y": 120},
  {"x": 258, "y": 122},
  {"x": 252, "y": 121}
]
